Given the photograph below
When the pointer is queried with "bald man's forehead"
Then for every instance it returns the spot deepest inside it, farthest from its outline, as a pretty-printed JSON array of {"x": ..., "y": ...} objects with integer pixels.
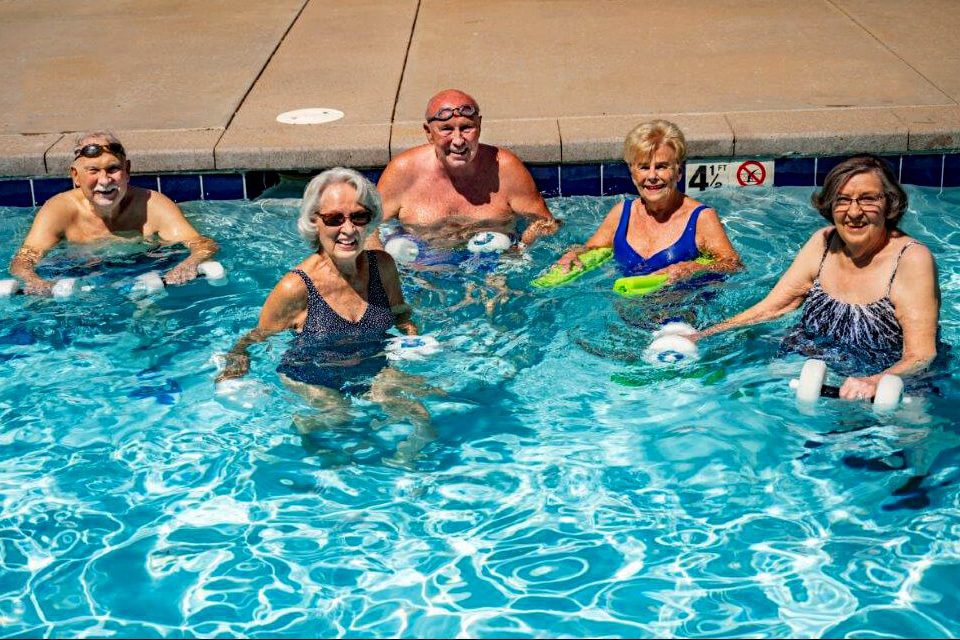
[{"x": 448, "y": 99}]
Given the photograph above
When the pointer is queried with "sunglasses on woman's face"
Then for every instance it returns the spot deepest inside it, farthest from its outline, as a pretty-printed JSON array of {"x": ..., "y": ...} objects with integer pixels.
[
  {"x": 94, "y": 150},
  {"x": 357, "y": 218}
]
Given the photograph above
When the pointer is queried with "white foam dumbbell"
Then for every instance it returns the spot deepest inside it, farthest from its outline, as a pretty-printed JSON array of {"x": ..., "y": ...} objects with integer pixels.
[
  {"x": 671, "y": 346},
  {"x": 63, "y": 288},
  {"x": 489, "y": 242},
  {"x": 411, "y": 347},
  {"x": 810, "y": 387},
  {"x": 152, "y": 281},
  {"x": 404, "y": 250}
]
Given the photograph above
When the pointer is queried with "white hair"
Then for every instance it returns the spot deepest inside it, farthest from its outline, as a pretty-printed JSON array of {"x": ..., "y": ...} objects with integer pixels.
[{"x": 367, "y": 197}]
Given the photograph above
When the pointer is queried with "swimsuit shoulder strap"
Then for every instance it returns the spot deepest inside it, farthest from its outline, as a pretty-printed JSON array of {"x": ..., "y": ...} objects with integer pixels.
[
  {"x": 694, "y": 216},
  {"x": 311, "y": 289},
  {"x": 896, "y": 265},
  {"x": 624, "y": 219},
  {"x": 826, "y": 250}
]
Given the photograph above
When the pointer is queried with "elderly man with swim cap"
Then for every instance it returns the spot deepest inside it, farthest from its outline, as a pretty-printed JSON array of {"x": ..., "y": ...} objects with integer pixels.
[
  {"x": 103, "y": 206},
  {"x": 453, "y": 187}
]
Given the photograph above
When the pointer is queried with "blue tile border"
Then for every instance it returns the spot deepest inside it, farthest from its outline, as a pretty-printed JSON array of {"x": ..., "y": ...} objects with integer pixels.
[
  {"x": 594, "y": 179},
  {"x": 16, "y": 193}
]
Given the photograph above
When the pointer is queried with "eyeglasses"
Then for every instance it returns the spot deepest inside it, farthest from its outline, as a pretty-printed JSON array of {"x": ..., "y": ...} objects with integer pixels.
[
  {"x": 357, "y": 218},
  {"x": 867, "y": 202},
  {"x": 466, "y": 111},
  {"x": 94, "y": 150}
]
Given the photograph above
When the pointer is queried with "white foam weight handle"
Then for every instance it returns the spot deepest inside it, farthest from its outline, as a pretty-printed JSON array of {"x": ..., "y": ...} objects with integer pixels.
[
  {"x": 670, "y": 349},
  {"x": 9, "y": 287},
  {"x": 212, "y": 270},
  {"x": 889, "y": 393},
  {"x": 403, "y": 250},
  {"x": 489, "y": 242},
  {"x": 411, "y": 347}
]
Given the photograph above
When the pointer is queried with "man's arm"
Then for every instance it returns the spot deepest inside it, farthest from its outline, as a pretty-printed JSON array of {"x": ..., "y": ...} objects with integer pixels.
[
  {"x": 47, "y": 230},
  {"x": 391, "y": 185},
  {"x": 524, "y": 198},
  {"x": 172, "y": 226}
]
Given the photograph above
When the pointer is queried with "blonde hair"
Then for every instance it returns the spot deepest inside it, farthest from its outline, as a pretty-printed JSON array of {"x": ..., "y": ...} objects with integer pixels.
[{"x": 643, "y": 140}]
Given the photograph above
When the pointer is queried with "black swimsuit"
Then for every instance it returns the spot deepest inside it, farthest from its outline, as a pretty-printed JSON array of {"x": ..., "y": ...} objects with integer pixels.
[
  {"x": 866, "y": 333},
  {"x": 332, "y": 351}
]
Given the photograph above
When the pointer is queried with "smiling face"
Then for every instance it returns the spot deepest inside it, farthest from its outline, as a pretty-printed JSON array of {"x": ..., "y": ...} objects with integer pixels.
[
  {"x": 343, "y": 239},
  {"x": 859, "y": 210},
  {"x": 455, "y": 136},
  {"x": 102, "y": 180},
  {"x": 656, "y": 177}
]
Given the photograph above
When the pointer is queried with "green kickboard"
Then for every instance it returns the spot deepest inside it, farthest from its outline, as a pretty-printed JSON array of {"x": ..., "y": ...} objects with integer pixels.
[
  {"x": 556, "y": 276},
  {"x": 633, "y": 286}
]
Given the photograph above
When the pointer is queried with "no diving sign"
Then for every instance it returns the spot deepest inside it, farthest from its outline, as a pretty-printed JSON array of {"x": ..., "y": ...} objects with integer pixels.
[
  {"x": 751, "y": 174},
  {"x": 714, "y": 175}
]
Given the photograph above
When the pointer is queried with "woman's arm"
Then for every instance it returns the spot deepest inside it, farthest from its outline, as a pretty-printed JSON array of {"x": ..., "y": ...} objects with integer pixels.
[
  {"x": 787, "y": 294},
  {"x": 916, "y": 300},
  {"x": 390, "y": 279},
  {"x": 287, "y": 300},
  {"x": 602, "y": 237}
]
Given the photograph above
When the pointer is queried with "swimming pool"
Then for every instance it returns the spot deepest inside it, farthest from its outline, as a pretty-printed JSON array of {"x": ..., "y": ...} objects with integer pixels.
[{"x": 568, "y": 488}]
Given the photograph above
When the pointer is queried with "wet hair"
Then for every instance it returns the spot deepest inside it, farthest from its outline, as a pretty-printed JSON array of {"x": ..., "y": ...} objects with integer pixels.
[
  {"x": 644, "y": 139},
  {"x": 86, "y": 136},
  {"x": 896, "y": 199},
  {"x": 367, "y": 197}
]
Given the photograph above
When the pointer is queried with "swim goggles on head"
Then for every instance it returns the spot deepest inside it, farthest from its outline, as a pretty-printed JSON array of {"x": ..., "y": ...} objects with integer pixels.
[
  {"x": 357, "y": 218},
  {"x": 466, "y": 111},
  {"x": 94, "y": 150}
]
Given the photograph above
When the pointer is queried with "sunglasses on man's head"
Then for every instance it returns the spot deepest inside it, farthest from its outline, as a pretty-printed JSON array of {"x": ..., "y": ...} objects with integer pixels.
[
  {"x": 94, "y": 150},
  {"x": 357, "y": 218},
  {"x": 466, "y": 111}
]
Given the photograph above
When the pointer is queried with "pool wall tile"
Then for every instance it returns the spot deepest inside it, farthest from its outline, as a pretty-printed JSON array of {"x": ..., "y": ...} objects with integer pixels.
[
  {"x": 922, "y": 170},
  {"x": 580, "y": 179},
  {"x": 259, "y": 181},
  {"x": 181, "y": 188},
  {"x": 46, "y": 188},
  {"x": 15, "y": 193},
  {"x": 617, "y": 180},
  {"x": 793, "y": 172},
  {"x": 145, "y": 182},
  {"x": 825, "y": 164},
  {"x": 222, "y": 186},
  {"x": 951, "y": 170},
  {"x": 547, "y": 178},
  {"x": 373, "y": 175}
]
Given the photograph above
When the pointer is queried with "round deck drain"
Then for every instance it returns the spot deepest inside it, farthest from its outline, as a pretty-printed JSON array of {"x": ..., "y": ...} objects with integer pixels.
[{"x": 313, "y": 115}]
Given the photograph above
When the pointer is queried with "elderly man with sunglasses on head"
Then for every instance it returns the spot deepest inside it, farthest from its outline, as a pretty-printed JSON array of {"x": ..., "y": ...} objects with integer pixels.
[
  {"x": 453, "y": 187},
  {"x": 103, "y": 206}
]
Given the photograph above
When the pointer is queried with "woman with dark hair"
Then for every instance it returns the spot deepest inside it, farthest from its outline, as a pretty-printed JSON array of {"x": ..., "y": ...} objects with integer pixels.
[{"x": 867, "y": 289}]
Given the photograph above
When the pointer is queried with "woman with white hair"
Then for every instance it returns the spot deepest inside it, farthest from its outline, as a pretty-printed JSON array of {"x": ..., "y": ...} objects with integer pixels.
[{"x": 340, "y": 301}]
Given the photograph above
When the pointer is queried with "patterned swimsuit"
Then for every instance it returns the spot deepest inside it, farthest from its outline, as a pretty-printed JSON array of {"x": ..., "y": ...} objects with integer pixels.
[
  {"x": 334, "y": 352},
  {"x": 861, "y": 335}
]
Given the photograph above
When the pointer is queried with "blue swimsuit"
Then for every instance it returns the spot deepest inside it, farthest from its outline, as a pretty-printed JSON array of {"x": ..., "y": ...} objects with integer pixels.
[
  {"x": 332, "y": 351},
  {"x": 633, "y": 264},
  {"x": 864, "y": 335}
]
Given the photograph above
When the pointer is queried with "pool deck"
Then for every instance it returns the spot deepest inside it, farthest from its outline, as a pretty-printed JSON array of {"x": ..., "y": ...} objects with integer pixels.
[{"x": 197, "y": 86}]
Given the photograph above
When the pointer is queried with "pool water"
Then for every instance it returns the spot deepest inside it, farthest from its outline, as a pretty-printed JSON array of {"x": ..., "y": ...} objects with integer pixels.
[{"x": 564, "y": 488}]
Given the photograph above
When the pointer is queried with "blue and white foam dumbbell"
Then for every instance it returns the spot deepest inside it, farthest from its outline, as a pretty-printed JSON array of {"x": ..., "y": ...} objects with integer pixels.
[
  {"x": 152, "y": 281},
  {"x": 411, "y": 347},
  {"x": 810, "y": 387},
  {"x": 489, "y": 242},
  {"x": 403, "y": 249},
  {"x": 671, "y": 346},
  {"x": 63, "y": 288}
]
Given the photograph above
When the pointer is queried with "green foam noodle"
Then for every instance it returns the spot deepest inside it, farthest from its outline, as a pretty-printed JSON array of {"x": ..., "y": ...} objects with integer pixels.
[
  {"x": 633, "y": 286},
  {"x": 556, "y": 276}
]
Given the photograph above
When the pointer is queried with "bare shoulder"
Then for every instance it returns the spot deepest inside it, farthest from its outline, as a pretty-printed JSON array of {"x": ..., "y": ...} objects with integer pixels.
[
  {"x": 405, "y": 167},
  {"x": 156, "y": 202},
  {"x": 291, "y": 287},
  {"x": 510, "y": 164},
  {"x": 62, "y": 207},
  {"x": 916, "y": 257}
]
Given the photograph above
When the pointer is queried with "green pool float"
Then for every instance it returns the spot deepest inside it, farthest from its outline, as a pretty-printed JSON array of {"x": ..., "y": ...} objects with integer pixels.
[
  {"x": 556, "y": 276},
  {"x": 634, "y": 286}
]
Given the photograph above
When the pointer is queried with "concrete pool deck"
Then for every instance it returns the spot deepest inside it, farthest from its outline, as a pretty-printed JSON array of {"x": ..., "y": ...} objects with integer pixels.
[{"x": 198, "y": 86}]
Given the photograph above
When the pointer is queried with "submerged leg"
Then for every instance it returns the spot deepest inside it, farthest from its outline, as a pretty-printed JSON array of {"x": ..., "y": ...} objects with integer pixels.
[{"x": 333, "y": 409}]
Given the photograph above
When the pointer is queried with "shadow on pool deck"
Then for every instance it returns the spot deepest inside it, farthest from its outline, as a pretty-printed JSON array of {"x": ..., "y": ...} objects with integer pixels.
[{"x": 198, "y": 86}]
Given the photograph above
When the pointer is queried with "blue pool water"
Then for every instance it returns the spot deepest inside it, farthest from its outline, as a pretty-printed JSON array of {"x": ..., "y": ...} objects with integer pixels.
[{"x": 565, "y": 488}]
